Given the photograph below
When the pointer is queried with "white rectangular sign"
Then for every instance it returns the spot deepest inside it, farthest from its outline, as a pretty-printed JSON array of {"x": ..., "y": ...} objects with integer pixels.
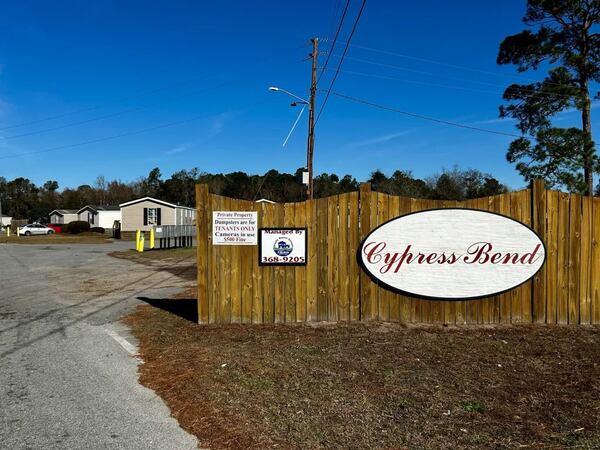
[
  {"x": 235, "y": 227},
  {"x": 282, "y": 247}
]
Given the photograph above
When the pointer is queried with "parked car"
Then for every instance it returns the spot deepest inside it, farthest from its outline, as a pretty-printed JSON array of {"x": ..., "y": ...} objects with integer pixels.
[
  {"x": 35, "y": 228},
  {"x": 57, "y": 228}
]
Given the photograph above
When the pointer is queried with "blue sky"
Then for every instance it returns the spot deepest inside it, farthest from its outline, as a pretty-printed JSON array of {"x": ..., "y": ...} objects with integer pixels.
[{"x": 126, "y": 66}]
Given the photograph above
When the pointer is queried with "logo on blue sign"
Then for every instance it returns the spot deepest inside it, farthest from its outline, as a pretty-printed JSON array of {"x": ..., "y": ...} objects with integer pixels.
[{"x": 283, "y": 246}]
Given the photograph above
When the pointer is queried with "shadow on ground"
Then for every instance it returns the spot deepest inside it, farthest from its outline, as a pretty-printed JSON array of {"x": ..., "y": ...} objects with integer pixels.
[
  {"x": 187, "y": 272},
  {"x": 184, "y": 307}
]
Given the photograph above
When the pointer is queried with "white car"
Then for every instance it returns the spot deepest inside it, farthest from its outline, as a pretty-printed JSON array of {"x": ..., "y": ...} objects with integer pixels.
[{"x": 35, "y": 228}]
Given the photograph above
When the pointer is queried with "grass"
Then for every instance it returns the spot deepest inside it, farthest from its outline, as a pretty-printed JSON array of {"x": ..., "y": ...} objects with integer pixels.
[
  {"x": 156, "y": 255},
  {"x": 473, "y": 407},
  {"x": 56, "y": 238},
  {"x": 371, "y": 385}
]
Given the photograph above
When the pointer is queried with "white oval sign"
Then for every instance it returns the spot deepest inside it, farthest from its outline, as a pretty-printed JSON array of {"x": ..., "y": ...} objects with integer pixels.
[{"x": 451, "y": 254}]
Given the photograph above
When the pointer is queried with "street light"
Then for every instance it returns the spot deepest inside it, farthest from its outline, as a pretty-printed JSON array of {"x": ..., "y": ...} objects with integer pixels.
[
  {"x": 302, "y": 101},
  {"x": 310, "y": 143}
]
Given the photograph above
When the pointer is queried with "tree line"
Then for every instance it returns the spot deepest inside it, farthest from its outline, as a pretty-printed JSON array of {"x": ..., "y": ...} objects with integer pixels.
[{"x": 23, "y": 199}]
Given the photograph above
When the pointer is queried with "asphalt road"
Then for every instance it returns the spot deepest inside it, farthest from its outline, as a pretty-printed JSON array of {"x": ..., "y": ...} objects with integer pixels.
[{"x": 65, "y": 380}]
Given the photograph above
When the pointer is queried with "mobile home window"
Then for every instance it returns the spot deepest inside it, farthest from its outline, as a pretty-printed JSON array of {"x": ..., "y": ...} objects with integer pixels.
[{"x": 152, "y": 216}]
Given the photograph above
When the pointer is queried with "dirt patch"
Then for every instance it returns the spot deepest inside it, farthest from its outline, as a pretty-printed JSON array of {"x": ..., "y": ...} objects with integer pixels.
[
  {"x": 178, "y": 261},
  {"x": 156, "y": 255},
  {"x": 57, "y": 238},
  {"x": 371, "y": 385}
]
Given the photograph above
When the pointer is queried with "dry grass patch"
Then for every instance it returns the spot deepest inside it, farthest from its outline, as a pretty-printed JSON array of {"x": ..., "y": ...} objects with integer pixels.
[
  {"x": 182, "y": 253},
  {"x": 57, "y": 238},
  {"x": 179, "y": 261},
  {"x": 372, "y": 385}
]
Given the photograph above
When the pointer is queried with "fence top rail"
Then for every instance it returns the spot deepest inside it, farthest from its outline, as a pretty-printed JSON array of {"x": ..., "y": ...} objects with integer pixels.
[{"x": 367, "y": 186}]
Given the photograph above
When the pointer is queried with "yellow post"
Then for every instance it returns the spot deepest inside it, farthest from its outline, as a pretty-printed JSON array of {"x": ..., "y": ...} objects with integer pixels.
[
  {"x": 152, "y": 238},
  {"x": 137, "y": 240},
  {"x": 18, "y": 231},
  {"x": 8, "y": 232},
  {"x": 141, "y": 249}
]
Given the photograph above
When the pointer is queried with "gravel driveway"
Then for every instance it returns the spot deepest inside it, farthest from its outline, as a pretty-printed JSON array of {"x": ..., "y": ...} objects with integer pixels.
[{"x": 67, "y": 380}]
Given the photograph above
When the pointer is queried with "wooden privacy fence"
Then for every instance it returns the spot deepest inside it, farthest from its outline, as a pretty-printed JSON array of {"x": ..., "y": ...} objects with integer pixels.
[{"x": 233, "y": 288}]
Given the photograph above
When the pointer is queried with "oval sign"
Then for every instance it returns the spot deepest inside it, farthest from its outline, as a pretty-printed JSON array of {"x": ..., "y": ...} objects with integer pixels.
[{"x": 451, "y": 254}]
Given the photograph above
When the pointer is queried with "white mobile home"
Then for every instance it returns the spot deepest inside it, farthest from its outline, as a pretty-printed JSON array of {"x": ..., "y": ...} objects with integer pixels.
[
  {"x": 63, "y": 216},
  {"x": 145, "y": 213},
  {"x": 100, "y": 216},
  {"x": 5, "y": 221}
]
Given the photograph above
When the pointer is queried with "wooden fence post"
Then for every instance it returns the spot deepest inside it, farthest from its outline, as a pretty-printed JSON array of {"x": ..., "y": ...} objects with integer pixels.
[
  {"x": 538, "y": 216},
  {"x": 202, "y": 213},
  {"x": 366, "y": 288}
]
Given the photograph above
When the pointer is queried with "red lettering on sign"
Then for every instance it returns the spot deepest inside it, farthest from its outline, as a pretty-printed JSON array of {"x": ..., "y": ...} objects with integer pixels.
[{"x": 477, "y": 253}]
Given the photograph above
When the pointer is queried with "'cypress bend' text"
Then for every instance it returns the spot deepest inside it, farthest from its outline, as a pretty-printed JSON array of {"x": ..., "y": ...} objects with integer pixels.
[{"x": 478, "y": 253}]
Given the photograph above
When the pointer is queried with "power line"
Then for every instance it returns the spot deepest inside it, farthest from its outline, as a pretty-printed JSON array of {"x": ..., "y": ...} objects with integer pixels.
[
  {"x": 441, "y": 63},
  {"x": 423, "y": 117},
  {"x": 123, "y": 99},
  {"x": 103, "y": 139},
  {"x": 425, "y": 83},
  {"x": 422, "y": 72},
  {"x": 264, "y": 178},
  {"x": 109, "y": 138},
  {"x": 337, "y": 33},
  {"x": 93, "y": 108},
  {"x": 71, "y": 124},
  {"x": 337, "y": 72},
  {"x": 335, "y": 4},
  {"x": 107, "y": 116}
]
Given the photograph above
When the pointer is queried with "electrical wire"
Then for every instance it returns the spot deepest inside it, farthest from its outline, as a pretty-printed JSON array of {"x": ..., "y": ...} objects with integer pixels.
[
  {"x": 262, "y": 182},
  {"x": 334, "y": 13},
  {"x": 71, "y": 124},
  {"x": 103, "y": 139},
  {"x": 92, "y": 108},
  {"x": 429, "y": 118},
  {"x": 337, "y": 72},
  {"x": 441, "y": 63},
  {"x": 422, "y": 72},
  {"x": 111, "y": 137},
  {"x": 424, "y": 83},
  {"x": 337, "y": 33},
  {"x": 121, "y": 100},
  {"x": 118, "y": 113}
]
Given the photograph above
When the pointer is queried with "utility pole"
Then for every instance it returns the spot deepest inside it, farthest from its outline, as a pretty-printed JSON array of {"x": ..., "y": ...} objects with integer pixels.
[{"x": 311, "y": 118}]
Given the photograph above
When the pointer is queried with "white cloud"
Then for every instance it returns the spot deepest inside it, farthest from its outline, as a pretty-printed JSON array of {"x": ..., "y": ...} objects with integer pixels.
[
  {"x": 220, "y": 120},
  {"x": 178, "y": 149},
  {"x": 381, "y": 139}
]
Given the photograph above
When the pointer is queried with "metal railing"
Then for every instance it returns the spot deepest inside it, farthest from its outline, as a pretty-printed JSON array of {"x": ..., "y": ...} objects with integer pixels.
[{"x": 175, "y": 235}]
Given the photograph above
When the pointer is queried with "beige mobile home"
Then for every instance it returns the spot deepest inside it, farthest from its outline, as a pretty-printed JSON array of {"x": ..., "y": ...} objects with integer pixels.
[
  {"x": 63, "y": 216},
  {"x": 145, "y": 213}
]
